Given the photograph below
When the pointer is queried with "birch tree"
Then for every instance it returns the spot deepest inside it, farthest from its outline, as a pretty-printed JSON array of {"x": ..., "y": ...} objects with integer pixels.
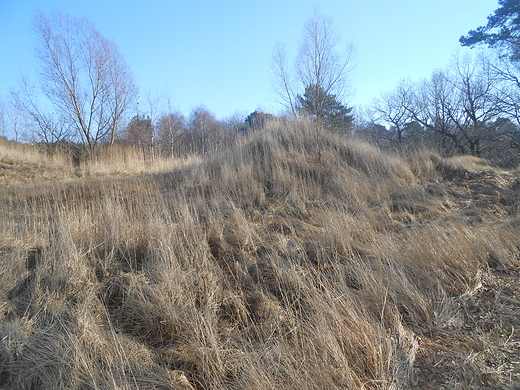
[
  {"x": 84, "y": 78},
  {"x": 322, "y": 69}
]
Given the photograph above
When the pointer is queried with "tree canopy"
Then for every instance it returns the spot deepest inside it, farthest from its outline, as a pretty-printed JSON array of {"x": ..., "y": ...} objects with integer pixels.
[
  {"x": 325, "y": 108},
  {"x": 502, "y": 29}
]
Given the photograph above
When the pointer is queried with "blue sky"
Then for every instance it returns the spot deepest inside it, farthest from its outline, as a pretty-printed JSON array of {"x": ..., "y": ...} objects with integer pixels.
[{"x": 217, "y": 53}]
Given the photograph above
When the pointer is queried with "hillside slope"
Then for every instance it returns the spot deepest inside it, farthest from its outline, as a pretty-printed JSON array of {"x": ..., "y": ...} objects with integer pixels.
[{"x": 295, "y": 259}]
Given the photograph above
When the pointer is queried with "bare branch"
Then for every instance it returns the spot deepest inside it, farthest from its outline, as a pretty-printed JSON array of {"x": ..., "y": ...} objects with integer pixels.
[
  {"x": 83, "y": 76},
  {"x": 282, "y": 82},
  {"x": 321, "y": 65}
]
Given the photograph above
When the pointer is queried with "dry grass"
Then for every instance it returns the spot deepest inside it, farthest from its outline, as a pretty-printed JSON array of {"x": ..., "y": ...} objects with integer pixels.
[
  {"x": 289, "y": 261},
  {"x": 127, "y": 161},
  {"x": 23, "y": 164}
]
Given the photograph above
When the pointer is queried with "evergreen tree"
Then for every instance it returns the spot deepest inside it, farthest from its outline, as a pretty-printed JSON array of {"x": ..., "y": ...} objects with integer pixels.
[
  {"x": 502, "y": 29},
  {"x": 140, "y": 132},
  {"x": 325, "y": 109},
  {"x": 257, "y": 120}
]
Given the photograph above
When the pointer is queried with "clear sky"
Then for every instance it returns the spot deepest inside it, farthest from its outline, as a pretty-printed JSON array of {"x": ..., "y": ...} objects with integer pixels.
[{"x": 217, "y": 53}]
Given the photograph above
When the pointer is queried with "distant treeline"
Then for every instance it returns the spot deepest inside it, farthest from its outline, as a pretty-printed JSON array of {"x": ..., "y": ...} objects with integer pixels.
[{"x": 470, "y": 107}]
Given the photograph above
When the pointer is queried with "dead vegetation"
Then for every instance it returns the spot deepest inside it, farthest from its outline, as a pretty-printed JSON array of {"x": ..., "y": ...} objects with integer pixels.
[{"x": 268, "y": 265}]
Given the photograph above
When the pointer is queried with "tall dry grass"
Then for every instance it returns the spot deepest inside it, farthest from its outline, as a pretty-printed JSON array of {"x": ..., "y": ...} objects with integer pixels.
[
  {"x": 289, "y": 261},
  {"x": 23, "y": 164}
]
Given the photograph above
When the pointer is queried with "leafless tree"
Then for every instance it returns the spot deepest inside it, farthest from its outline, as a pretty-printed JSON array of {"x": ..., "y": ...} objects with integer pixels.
[
  {"x": 83, "y": 76},
  {"x": 235, "y": 123},
  {"x": 204, "y": 131},
  {"x": 14, "y": 119},
  {"x": 321, "y": 63},
  {"x": 42, "y": 125},
  {"x": 453, "y": 107},
  {"x": 391, "y": 109},
  {"x": 506, "y": 76},
  {"x": 283, "y": 86},
  {"x": 430, "y": 106},
  {"x": 3, "y": 119},
  {"x": 153, "y": 102},
  {"x": 475, "y": 101},
  {"x": 170, "y": 132}
]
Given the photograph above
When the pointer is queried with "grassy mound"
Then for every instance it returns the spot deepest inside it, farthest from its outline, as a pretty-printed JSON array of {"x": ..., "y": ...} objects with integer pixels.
[{"x": 295, "y": 259}]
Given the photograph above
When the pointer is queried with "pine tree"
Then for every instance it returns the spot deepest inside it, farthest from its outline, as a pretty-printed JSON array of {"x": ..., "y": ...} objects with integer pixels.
[
  {"x": 325, "y": 109},
  {"x": 502, "y": 29}
]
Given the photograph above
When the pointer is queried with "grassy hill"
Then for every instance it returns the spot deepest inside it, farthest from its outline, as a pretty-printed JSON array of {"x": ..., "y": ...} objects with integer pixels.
[{"x": 292, "y": 260}]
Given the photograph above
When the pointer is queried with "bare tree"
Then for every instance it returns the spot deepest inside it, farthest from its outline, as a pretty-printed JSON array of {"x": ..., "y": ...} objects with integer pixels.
[
  {"x": 319, "y": 61},
  {"x": 3, "y": 119},
  {"x": 153, "y": 103},
  {"x": 235, "y": 123},
  {"x": 391, "y": 110},
  {"x": 204, "y": 131},
  {"x": 322, "y": 67},
  {"x": 475, "y": 101},
  {"x": 83, "y": 76},
  {"x": 506, "y": 75},
  {"x": 42, "y": 125},
  {"x": 170, "y": 130},
  {"x": 283, "y": 82},
  {"x": 431, "y": 105},
  {"x": 13, "y": 120},
  {"x": 453, "y": 105},
  {"x": 506, "y": 128}
]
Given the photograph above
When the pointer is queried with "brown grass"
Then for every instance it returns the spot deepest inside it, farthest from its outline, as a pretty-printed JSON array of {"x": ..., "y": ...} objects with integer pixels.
[
  {"x": 269, "y": 265},
  {"x": 22, "y": 164}
]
